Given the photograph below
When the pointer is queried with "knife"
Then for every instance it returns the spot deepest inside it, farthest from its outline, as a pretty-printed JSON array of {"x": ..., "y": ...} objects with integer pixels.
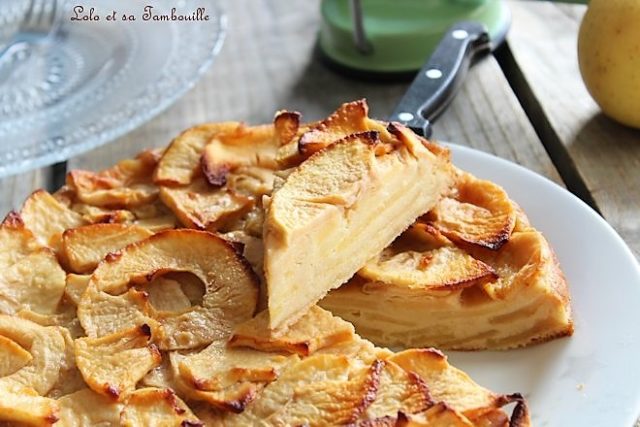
[{"x": 440, "y": 78}]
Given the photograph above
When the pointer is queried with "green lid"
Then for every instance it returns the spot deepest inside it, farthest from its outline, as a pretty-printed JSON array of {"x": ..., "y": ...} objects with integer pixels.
[{"x": 401, "y": 33}]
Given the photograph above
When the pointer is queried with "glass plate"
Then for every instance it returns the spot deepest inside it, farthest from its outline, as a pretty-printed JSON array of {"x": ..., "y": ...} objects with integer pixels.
[{"x": 95, "y": 80}]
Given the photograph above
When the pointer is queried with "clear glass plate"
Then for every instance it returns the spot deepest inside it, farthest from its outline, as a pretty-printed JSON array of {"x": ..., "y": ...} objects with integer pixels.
[{"x": 93, "y": 81}]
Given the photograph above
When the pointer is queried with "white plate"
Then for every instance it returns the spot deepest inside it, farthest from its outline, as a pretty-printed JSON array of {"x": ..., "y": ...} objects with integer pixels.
[{"x": 593, "y": 377}]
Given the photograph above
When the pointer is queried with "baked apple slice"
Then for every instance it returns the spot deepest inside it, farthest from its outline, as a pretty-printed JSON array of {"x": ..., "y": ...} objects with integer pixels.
[
  {"x": 113, "y": 364},
  {"x": 219, "y": 366},
  {"x": 84, "y": 247},
  {"x": 200, "y": 206},
  {"x": 125, "y": 185},
  {"x": 46, "y": 346},
  {"x": 319, "y": 390},
  {"x": 14, "y": 356},
  {"x": 288, "y": 130},
  {"x": 452, "y": 386},
  {"x": 180, "y": 163},
  {"x": 157, "y": 407},
  {"x": 20, "y": 405},
  {"x": 422, "y": 259},
  {"x": 30, "y": 276},
  {"x": 227, "y": 378},
  {"x": 349, "y": 118},
  {"x": 246, "y": 146},
  {"x": 476, "y": 211},
  {"x": 232, "y": 398},
  {"x": 112, "y": 302},
  {"x": 315, "y": 330},
  {"x": 90, "y": 408},
  {"x": 397, "y": 391},
  {"x": 47, "y": 218}
]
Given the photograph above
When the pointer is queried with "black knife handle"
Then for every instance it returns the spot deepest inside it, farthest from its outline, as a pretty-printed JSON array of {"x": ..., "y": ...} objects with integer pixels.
[{"x": 440, "y": 77}]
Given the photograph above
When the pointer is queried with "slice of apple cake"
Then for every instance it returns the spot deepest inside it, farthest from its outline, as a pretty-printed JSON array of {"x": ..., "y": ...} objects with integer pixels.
[
  {"x": 470, "y": 274},
  {"x": 342, "y": 206}
]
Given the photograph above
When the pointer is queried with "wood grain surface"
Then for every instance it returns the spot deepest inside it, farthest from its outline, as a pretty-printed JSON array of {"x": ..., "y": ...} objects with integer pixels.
[
  {"x": 591, "y": 151},
  {"x": 268, "y": 63},
  {"x": 14, "y": 189}
]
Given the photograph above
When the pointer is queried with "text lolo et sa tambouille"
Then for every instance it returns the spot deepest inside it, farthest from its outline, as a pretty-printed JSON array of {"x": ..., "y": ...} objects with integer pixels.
[{"x": 80, "y": 13}]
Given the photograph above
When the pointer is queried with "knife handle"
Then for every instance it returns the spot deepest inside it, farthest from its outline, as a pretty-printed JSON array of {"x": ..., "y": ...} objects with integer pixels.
[{"x": 440, "y": 77}]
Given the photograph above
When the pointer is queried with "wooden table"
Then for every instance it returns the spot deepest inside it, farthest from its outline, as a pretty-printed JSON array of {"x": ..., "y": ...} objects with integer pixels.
[{"x": 526, "y": 103}]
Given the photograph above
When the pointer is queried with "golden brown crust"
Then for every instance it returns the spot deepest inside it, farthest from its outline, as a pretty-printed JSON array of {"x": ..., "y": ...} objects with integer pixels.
[
  {"x": 13, "y": 220},
  {"x": 371, "y": 388},
  {"x": 254, "y": 145},
  {"x": 127, "y": 184},
  {"x": 181, "y": 160},
  {"x": 203, "y": 208},
  {"x": 476, "y": 211},
  {"x": 350, "y": 118},
  {"x": 315, "y": 330},
  {"x": 286, "y": 124}
]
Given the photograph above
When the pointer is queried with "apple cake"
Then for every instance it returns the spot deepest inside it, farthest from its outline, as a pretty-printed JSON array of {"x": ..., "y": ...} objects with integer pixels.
[
  {"x": 180, "y": 287},
  {"x": 471, "y": 274}
]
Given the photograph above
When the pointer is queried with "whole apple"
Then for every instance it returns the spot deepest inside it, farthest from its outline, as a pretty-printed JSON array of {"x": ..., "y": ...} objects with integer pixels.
[{"x": 609, "y": 57}]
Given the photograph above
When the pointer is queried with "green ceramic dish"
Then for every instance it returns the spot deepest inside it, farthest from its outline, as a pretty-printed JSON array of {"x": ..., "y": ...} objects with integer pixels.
[{"x": 402, "y": 33}]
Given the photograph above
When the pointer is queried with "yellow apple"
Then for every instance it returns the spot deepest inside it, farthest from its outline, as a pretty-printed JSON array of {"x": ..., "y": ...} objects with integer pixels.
[{"x": 609, "y": 57}]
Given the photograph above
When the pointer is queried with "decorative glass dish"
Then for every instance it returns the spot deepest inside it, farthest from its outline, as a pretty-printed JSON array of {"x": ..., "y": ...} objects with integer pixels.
[{"x": 100, "y": 74}]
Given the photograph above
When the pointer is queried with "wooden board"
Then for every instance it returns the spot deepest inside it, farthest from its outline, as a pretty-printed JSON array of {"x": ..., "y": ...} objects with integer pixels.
[
  {"x": 16, "y": 188},
  {"x": 486, "y": 115},
  {"x": 595, "y": 152}
]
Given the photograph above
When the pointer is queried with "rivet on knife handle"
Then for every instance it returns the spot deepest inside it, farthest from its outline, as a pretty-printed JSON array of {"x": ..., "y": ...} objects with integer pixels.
[{"x": 440, "y": 77}]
